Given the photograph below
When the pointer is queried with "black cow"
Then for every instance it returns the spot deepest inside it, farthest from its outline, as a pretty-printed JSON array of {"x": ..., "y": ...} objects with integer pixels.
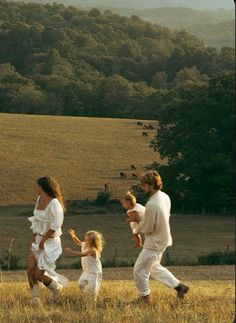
[{"x": 106, "y": 186}]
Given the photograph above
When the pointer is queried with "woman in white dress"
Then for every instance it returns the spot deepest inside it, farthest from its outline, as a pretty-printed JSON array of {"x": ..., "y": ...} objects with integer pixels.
[{"x": 45, "y": 246}]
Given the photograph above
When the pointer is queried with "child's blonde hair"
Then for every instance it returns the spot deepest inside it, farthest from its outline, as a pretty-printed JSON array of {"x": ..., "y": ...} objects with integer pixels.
[
  {"x": 129, "y": 197},
  {"x": 97, "y": 240}
]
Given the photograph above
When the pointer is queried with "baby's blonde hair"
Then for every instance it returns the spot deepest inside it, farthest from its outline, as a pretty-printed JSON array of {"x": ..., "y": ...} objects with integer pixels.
[
  {"x": 129, "y": 197},
  {"x": 97, "y": 240}
]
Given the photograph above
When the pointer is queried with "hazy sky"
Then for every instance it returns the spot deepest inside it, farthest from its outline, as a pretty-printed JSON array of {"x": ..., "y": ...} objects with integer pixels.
[{"x": 197, "y": 4}]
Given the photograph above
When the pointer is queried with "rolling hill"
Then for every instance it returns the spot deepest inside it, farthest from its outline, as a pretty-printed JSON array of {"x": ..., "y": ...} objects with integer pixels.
[
  {"x": 83, "y": 153},
  {"x": 141, "y": 4}
]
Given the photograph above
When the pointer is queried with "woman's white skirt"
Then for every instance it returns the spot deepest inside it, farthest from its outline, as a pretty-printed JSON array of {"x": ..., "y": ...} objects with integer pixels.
[{"x": 47, "y": 257}]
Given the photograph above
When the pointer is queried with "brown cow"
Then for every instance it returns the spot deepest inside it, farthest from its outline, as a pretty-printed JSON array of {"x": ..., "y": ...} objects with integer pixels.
[
  {"x": 122, "y": 175},
  {"x": 106, "y": 186},
  {"x": 145, "y": 134}
]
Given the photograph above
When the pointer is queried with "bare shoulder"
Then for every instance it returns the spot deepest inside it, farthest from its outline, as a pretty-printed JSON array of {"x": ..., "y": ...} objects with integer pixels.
[{"x": 93, "y": 252}]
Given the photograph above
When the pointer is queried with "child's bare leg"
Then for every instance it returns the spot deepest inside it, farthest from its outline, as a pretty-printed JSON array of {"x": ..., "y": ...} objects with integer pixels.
[{"x": 138, "y": 240}]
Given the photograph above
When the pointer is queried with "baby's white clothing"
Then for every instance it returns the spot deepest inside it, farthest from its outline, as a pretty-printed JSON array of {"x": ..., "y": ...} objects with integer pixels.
[{"x": 141, "y": 210}]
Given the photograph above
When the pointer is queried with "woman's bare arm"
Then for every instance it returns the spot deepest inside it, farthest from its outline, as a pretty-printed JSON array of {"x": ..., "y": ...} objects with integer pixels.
[{"x": 47, "y": 236}]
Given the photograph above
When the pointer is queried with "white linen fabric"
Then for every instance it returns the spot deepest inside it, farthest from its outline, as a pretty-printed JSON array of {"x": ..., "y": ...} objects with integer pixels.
[
  {"x": 90, "y": 283},
  {"x": 41, "y": 222},
  {"x": 156, "y": 229},
  {"x": 155, "y": 224},
  {"x": 141, "y": 211},
  {"x": 89, "y": 263},
  {"x": 149, "y": 264},
  {"x": 91, "y": 278}
]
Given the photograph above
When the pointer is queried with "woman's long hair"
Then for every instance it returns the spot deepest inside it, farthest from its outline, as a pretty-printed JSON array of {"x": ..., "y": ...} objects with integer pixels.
[{"x": 51, "y": 187}]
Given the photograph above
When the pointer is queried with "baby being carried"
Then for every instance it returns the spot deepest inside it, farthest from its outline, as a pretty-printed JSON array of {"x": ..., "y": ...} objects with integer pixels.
[{"x": 130, "y": 204}]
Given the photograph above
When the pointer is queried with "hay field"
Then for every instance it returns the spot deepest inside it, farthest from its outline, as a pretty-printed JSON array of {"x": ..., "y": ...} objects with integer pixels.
[
  {"x": 83, "y": 153},
  {"x": 208, "y": 301}
]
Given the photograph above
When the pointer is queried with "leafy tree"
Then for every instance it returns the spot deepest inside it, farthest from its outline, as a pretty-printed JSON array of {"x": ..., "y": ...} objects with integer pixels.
[
  {"x": 196, "y": 139},
  {"x": 189, "y": 76},
  {"x": 159, "y": 80}
]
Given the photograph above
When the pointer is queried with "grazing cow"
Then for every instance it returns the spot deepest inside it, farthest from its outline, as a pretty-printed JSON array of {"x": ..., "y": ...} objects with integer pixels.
[
  {"x": 145, "y": 134},
  {"x": 122, "y": 175},
  {"x": 150, "y": 127},
  {"x": 133, "y": 167},
  {"x": 139, "y": 123},
  {"x": 106, "y": 186},
  {"x": 134, "y": 175},
  {"x": 146, "y": 126}
]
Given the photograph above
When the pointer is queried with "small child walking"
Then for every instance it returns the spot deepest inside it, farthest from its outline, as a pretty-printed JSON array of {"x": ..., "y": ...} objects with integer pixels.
[
  {"x": 92, "y": 246},
  {"x": 129, "y": 202}
]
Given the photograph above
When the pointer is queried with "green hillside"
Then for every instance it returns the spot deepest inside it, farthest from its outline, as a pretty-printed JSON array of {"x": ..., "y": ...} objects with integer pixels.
[{"x": 66, "y": 61}]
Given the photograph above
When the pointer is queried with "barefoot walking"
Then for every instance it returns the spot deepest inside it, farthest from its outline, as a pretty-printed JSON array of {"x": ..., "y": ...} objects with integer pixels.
[
  {"x": 45, "y": 247},
  {"x": 156, "y": 230}
]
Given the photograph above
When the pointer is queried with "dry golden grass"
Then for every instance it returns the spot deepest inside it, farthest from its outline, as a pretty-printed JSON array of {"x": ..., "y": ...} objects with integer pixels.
[
  {"x": 208, "y": 301},
  {"x": 83, "y": 153}
]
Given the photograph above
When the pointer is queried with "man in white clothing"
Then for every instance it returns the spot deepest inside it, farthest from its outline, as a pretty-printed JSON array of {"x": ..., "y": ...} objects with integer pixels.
[{"x": 156, "y": 230}]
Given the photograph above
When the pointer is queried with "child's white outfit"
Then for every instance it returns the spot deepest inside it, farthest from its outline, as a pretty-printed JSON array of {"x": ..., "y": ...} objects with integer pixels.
[
  {"x": 41, "y": 222},
  {"x": 141, "y": 211},
  {"x": 91, "y": 278}
]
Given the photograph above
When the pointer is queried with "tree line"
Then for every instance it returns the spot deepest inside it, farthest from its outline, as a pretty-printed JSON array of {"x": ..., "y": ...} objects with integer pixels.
[{"x": 65, "y": 61}]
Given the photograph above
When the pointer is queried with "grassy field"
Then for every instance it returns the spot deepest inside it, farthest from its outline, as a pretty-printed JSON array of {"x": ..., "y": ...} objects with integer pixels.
[
  {"x": 83, "y": 153},
  {"x": 193, "y": 235},
  {"x": 209, "y": 300}
]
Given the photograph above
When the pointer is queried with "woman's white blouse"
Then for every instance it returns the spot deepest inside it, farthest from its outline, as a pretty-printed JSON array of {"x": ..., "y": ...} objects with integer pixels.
[{"x": 50, "y": 218}]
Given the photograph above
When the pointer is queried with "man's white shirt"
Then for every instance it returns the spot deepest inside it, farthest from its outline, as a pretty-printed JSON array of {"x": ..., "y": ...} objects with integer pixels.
[{"x": 155, "y": 224}]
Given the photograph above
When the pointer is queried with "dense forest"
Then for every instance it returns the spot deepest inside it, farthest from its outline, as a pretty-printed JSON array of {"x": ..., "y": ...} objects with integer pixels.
[
  {"x": 215, "y": 27},
  {"x": 62, "y": 60}
]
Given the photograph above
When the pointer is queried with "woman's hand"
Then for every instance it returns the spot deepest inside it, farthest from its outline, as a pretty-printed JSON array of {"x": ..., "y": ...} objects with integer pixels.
[
  {"x": 72, "y": 233},
  {"x": 41, "y": 244}
]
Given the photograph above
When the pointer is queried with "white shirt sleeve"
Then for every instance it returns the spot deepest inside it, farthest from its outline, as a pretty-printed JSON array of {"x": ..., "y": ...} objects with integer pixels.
[
  {"x": 56, "y": 215},
  {"x": 146, "y": 226}
]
